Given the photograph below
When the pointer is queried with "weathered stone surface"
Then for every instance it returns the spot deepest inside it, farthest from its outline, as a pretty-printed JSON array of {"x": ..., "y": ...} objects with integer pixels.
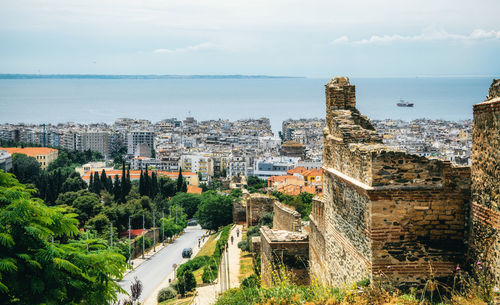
[
  {"x": 382, "y": 210},
  {"x": 256, "y": 206},
  {"x": 286, "y": 218},
  {"x": 485, "y": 209},
  {"x": 284, "y": 252}
]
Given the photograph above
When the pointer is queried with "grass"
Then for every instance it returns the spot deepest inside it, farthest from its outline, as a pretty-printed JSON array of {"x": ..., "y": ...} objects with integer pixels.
[
  {"x": 209, "y": 247},
  {"x": 246, "y": 265},
  {"x": 197, "y": 275}
]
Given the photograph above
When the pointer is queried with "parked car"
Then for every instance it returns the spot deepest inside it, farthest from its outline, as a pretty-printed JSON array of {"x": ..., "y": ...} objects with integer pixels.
[
  {"x": 192, "y": 222},
  {"x": 187, "y": 252}
]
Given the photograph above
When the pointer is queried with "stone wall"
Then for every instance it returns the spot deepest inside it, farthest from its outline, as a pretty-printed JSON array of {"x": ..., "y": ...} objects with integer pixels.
[
  {"x": 239, "y": 211},
  {"x": 284, "y": 253},
  {"x": 286, "y": 218},
  {"x": 256, "y": 206},
  {"x": 485, "y": 210},
  {"x": 383, "y": 209}
]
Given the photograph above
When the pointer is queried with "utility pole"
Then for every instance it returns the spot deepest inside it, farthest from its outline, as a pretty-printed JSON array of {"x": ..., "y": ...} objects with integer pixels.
[
  {"x": 110, "y": 234},
  {"x": 163, "y": 226},
  {"x": 129, "y": 253},
  {"x": 143, "y": 235},
  {"x": 154, "y": 232}
]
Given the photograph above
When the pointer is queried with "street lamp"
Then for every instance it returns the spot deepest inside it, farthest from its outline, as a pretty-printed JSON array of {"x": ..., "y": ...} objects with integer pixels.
[
  {"x": 143, "y": 236},
  {"x": 154, "y": 232},
  {"x": 163, "y": 226},
  {"x": 129, "y": 229}
]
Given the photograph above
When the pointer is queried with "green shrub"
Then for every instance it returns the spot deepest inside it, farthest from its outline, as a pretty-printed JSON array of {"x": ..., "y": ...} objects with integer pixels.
[
  {"x": 185, "y": 283},
  {"x": 193, "y": 265},
  {"x": 244, "y": 245},
  {"x": 252, "y": 281},
  {"x": 210, "y": 272},
  {"x": 166, "y": 294}
]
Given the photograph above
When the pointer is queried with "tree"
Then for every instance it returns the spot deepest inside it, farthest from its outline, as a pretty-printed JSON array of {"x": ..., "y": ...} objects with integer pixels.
[
  {"x": 214, "y": 210},
  {"x": 117, "y": 189},
  {"x": 185, "y": 282},
  {"x": 100, "y": 223},
  {"x": 167, "y": 187},
  {"x": 180, "y": 180},
  {"x": 104, "y": 180},
  {"x": 87, "y": 207},
  {"x": 73, "y": 185},
  {"x": 26, "y": 169},
  {"x": 188, "y": 202},
  {"x": 35, "y": 270}
]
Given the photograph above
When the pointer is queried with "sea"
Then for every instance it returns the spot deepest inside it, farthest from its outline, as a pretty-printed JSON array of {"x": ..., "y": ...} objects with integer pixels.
[{"x": 98, "y": 99}]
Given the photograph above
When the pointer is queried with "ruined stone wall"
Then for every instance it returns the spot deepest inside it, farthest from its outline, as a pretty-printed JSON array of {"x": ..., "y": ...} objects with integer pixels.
[
  {"x": 256, "y": 206},
  {"x": 286, "y": 218},
  {"x": 384, "y": 210},
  {"x": 485, "y": 210},
  {"x": 239, "y": 211},
  {"x": 284, "y": 253}
]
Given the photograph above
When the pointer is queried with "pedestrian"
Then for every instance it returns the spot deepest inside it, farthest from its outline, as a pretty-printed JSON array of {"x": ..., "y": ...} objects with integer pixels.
[
  {"x": 232, "y": 239},
  {"x": 238, "y": 232}
]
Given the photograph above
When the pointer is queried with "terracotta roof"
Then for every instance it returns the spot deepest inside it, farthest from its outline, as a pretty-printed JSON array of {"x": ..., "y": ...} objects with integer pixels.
[
  {"x": 296, "y": 170},
  {"x": 29, "y": 151},
  {"x": 313, "y": 172},
  {"x": 193, "y": 189}
]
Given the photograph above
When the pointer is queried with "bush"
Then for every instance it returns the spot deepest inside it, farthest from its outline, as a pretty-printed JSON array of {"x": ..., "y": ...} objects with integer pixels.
[
  {"x": 252, "y": 281},
  {"x": 192, "y": 265},
  {"x": 210, "y": 272},
  {"x": 166, "y": 294},
  {"x": 185, "y": 283},
  {"x": 244, "y": 245}
]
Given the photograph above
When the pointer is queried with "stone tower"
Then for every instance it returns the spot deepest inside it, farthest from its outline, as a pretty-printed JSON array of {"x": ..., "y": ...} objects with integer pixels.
[
  {"x": 485, "y": 208},
  {"x": 382, "y": 210}
]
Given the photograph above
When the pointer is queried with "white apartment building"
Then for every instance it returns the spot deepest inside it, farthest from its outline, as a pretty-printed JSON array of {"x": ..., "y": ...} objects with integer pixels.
[
  {"x": 198, "y": 163},
  {"x": 139, "y": 137}
]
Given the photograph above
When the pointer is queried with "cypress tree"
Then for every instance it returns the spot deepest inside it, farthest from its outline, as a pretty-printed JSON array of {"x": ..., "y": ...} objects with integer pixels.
[
  {"x": 97, "y": 183},
  {"x": 141, "y": 184},
  {"x": 154, "y": 184},
  {"x": 104, "y": 180},
  {"x": 123, "y": 183},
  {"x": 117, "y": 189},
  {"x": 147, "y": 186},
  {"x": 91, "y": 182},
  {"x": 110, "y": 184},
  {"x": 179, "y": 180},
  {"x": 184, "y": 187}
]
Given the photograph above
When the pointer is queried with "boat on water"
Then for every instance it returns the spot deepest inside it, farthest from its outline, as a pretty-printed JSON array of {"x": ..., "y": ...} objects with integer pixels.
[{"x": 403, "y": 103}]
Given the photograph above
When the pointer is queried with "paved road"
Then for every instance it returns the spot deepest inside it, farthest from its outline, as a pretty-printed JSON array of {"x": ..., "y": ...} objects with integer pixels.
[{"x": 152, "y": 272}]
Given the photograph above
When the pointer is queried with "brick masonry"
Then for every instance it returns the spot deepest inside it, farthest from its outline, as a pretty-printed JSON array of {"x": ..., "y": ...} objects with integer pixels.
[
  {"x": 383, "y": 210},
  {"x": 485, "y": 209}
]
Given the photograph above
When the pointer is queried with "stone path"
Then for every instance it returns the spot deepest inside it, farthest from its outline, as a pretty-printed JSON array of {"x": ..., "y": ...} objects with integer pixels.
[{"x": 207, "y": 295}]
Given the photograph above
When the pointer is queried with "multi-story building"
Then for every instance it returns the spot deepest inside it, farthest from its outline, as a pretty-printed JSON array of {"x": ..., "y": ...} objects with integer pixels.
[
  {"x": 96, "y": 141},
  {"x": 198, "y": 163},
  {"x": 5, "y": 160},
  {"x": 139, "y": 137},
  {"x": 273, "y": 166},
  {"x": 43, "y": 155}
]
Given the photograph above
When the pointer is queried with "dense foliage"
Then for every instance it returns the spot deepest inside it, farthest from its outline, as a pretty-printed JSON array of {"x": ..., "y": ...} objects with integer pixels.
[
  {"x": 255, "y": 184},
  {"x": 301, "y": 202},
  {"x": 215, "y": 210},
  {"x": 210, "y": 270},
  {"x": 43, "y": 260}
]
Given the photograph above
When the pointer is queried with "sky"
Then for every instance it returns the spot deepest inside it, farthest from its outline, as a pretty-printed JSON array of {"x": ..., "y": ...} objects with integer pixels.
[{"x": 312, "y": 38}]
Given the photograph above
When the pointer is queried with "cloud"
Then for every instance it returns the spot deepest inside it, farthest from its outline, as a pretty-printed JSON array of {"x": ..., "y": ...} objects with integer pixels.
[
  {"x": 198, "y": 47},
  {"x": 476, "y": 35}
]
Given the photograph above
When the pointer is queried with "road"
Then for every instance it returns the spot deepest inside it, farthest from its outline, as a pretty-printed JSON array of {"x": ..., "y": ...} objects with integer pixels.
[{"x": 152, "y": 272}]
